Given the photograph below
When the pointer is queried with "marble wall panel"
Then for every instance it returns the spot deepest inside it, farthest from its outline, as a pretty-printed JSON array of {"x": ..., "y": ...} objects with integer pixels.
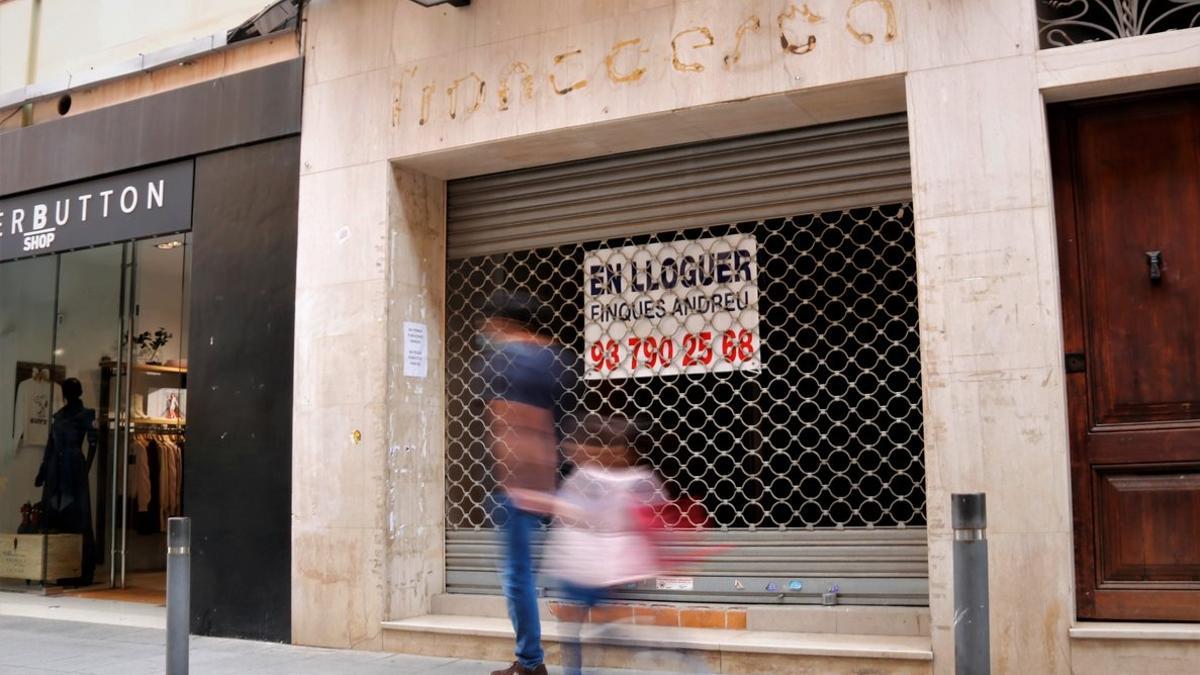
[
  {"x": 342, "y": 233},
  {"x": 338, "y": 588},
  {"x": 944, "y": 34},
  {"x": 981, "y": 130}
]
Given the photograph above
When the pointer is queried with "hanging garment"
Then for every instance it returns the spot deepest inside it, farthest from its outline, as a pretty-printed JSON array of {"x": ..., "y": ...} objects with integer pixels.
[
  {"x": 170, "y": 478},
  {"x": 177, "y": 485},
  {"x": 31, "y": 410},
  {"x": 164, "y": 483},
  {"x": 181, "y": 445},
  {"x": 139, "y": 474},
  {"x": 146, "y": 522}
]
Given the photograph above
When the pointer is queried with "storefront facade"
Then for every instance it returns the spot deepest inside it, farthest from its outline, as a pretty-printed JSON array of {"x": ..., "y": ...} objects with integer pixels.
[
  {"x": 891, "y": 166},
  {"x": 147, "y": 258}
]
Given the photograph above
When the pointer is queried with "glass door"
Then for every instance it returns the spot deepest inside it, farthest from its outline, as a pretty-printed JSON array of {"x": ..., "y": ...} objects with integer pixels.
[
  {"x": 151, "y": 404},
  {"x": 87, "y": 343},
  {"x": 29, "y": 393}
]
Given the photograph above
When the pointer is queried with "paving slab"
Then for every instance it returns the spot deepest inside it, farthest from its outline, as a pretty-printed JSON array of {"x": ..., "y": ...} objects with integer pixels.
[{"x": 39, "y": 646}]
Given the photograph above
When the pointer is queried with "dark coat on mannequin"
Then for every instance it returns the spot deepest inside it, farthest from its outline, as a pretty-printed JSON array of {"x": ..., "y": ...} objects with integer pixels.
[{"x": 63, "y": 476}]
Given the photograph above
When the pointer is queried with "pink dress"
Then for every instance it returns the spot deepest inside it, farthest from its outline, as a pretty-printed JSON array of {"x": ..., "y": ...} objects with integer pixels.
[{"x": 602, "y": 544}]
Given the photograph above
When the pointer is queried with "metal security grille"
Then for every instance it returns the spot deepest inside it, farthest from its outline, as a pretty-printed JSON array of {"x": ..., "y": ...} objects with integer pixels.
[
  {"x": 826, "y": 434},
  {"x": 810, "y": 461},
  {"x": 1071, "y": 22}
]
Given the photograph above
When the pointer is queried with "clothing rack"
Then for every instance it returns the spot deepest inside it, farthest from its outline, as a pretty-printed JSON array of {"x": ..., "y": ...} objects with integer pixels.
[
  {"x": 157, "y": 427},
  {"x": 155, "y": 478}
]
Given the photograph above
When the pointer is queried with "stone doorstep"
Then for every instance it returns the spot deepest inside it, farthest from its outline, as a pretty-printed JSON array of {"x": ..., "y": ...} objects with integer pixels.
[
  {"x": 700, "y": 640},
  {"x": 841, "y": 619},
  {"x": 1118, "y": 630}
]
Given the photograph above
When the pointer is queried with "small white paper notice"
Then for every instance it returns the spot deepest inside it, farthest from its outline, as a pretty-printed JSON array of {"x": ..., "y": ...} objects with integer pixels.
[
  {"x": 416, "y": 350},
  {"x": 674, "y": 583}
]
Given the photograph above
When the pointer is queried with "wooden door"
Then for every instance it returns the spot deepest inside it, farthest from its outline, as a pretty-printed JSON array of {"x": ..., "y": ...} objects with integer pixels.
[{"x": 1127, "y": 204}]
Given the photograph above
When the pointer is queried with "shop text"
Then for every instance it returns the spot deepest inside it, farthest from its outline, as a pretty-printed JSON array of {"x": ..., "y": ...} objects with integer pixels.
[
  {"x": 792, "y": 34},
  {"x": 666, "y": 308},
  {"x": 37, "y": 218},
  {"x": 140, "y": 203}
]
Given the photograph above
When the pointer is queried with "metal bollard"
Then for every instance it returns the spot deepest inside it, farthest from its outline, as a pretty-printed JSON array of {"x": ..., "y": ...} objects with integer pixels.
[
  {"x": 179, "y": 593},
  {"x": 972, "y": 642}
]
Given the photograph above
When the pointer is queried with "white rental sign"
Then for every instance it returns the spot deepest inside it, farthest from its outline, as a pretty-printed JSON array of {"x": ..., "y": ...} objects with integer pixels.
[
  {"x": 416, "y": 349},
  {"x": 688, "y": 306}
]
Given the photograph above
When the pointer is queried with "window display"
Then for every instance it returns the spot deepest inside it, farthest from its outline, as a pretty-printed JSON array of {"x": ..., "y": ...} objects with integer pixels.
[
  {"x": 36, "y": 390},
  {"x": 91, "y": 450}
]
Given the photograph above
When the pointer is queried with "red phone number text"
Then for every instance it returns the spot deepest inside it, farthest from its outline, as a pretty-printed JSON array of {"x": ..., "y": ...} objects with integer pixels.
[{"x": 698, "y": 349}]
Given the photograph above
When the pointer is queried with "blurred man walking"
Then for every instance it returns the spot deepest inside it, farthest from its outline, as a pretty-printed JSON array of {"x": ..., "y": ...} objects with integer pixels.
[{"x": 525, "y": 381}]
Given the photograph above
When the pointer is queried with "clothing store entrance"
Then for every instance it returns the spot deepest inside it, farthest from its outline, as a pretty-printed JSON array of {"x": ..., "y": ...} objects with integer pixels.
[
  {"x": 99, "y": 238},
  {"x": 93, "y": 385}
]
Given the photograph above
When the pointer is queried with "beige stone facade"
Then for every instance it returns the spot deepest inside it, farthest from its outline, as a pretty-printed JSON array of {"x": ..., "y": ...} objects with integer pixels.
[
  {"x": 75, "y": 40},
  {"x": 399, "y": 99}
]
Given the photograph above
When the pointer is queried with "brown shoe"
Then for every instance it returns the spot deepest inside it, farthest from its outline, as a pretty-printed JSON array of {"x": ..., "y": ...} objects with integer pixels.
[{"x": 518, "y": 669}]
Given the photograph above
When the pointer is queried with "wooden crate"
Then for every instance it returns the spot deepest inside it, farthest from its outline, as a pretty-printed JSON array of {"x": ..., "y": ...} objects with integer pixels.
[{"x": 27, "y": 556}]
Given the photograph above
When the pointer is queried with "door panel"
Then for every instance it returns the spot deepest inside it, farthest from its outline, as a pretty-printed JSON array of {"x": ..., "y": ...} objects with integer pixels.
[
  {"x": 1137, "y": 172},
  {"x": 1148, "y": 525},
  {"x": 1127, "y": 198}
]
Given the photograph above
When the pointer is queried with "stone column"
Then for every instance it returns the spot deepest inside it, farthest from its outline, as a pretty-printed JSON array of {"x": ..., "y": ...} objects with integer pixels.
[
  {"x": 416, "y": 479},
  {"x": 368, "y": 457},
  {"x": 991, "y": 340},
  {"x": 339, "y": 554}
]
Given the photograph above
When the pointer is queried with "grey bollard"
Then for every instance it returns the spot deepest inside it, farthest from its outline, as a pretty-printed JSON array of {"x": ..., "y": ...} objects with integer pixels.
[
  {"x": 972, "y": 643},
  {"x": 179, "y": 593}
]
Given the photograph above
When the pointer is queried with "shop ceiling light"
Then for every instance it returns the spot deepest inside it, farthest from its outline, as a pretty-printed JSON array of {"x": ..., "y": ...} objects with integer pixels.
[
  {"x": 168, "y": 245},
  {"x": 434, "y": 3}
]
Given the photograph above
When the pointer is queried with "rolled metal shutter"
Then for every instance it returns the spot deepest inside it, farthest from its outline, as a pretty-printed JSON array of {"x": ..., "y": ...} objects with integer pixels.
[
  {"x": 809, "y": 170},
  {"x": 792, "y": 187}
]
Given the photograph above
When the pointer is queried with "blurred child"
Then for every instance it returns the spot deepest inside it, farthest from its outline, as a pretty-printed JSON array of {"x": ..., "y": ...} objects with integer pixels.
[{"x": 601, "y": 537}]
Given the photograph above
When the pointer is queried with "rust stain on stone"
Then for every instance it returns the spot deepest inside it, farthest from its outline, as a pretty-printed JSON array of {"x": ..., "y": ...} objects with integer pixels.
[
  {"x": 398, "y": 94},
  {"x": 808, "y": 46},
  {"x": 452, "y": 94},
  {"x": 526, "y": 82},
  {"x": 751, "y": 24},
  {"x": 865, "y": 37},
  {"x": 681, "y": 66},
  {"x": 558, "y": 59},
  {"x": 610, "y": 61},
  {"x": 791, "y": 12},
  {"x": 426, "y": 100}
]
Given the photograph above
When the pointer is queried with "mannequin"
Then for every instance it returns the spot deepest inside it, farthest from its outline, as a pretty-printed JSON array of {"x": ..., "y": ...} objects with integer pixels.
[{"x": 63, "y": 476}]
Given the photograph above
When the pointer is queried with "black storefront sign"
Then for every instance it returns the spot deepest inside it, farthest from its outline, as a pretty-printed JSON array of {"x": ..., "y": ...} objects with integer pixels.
[{"x": 130, "y": 205}]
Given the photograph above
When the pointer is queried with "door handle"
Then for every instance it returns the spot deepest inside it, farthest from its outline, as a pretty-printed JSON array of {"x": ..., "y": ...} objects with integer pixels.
[{"x": 1154, "y": 261}]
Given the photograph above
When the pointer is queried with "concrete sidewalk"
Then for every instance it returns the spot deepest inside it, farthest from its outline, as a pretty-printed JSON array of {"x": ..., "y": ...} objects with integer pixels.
[{"x": 35, "y": 646}]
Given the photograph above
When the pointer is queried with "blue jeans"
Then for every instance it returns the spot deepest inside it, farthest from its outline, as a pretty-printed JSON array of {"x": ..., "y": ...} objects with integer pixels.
[
  {"x": 517, "y": 531},
  {"x": 584, "y": 597}
]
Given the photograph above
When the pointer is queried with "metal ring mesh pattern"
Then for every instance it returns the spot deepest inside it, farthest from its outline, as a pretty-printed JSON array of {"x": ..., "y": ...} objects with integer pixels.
[{"x": 827, "y": 433}]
